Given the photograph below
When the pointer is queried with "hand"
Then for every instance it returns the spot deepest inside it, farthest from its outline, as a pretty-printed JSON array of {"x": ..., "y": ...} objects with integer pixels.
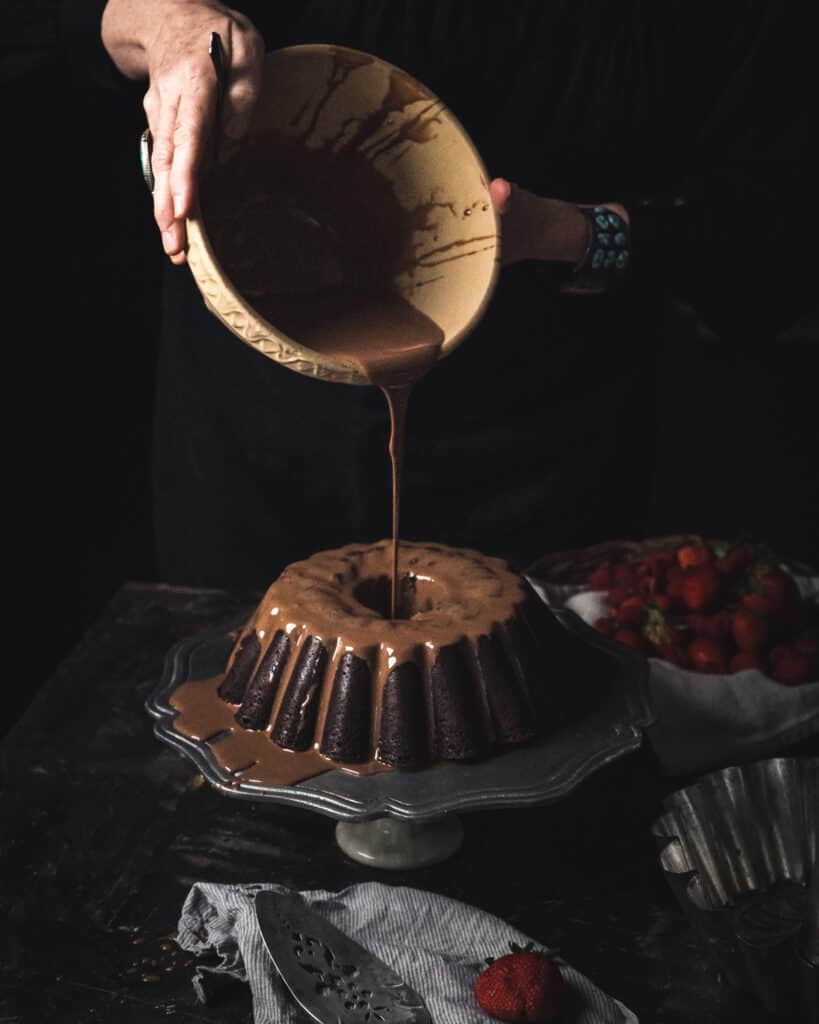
[
  {"x": 168, "y": 40},
  {"x": 536, "y": 228}
]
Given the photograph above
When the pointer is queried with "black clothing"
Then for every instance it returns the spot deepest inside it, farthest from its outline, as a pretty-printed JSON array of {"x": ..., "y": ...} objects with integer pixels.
[{"x": 537, "y": 432}]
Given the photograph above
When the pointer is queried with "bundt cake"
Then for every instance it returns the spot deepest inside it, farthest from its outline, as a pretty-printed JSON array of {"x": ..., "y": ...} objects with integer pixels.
[{"x": 320, "y": 678}]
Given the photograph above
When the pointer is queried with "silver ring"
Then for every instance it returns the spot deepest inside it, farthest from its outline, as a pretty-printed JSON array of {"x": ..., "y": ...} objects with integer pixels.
[{"x": 145, "y": 150}]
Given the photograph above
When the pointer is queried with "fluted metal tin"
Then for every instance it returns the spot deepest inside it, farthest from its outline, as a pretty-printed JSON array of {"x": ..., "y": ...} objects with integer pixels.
[{"x": 739, "y": 849}]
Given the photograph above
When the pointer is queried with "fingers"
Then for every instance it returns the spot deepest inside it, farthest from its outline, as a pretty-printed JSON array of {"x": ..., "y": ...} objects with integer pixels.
[
  {"x": 244, "y": 82},
  {"x": 162, "y": 120},
  {"x": 194, "y": 115},
  {"x": 181, "y": 103},
  {"x": 500, "y": 192}
]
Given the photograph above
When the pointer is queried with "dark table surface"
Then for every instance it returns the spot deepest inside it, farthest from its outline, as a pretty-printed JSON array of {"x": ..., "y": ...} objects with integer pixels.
[{"x": 104, "y": 829}]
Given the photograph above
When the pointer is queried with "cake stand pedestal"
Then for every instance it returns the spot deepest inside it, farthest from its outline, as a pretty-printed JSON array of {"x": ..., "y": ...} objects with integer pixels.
[
  {"x": 395, "y": 844},
  {"x": 402, "y": 819}
]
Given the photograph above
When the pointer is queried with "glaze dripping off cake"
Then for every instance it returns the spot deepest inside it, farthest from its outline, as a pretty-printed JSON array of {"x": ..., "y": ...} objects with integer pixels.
[{"x": 320, "y": 678}]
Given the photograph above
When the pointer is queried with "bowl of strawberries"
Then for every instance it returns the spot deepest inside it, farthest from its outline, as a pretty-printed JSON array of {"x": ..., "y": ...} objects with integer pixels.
[{"x": 704, "y": 605}]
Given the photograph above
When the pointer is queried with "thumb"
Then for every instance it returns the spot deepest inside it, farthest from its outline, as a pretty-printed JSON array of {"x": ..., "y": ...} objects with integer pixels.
[{"x": 500, "y": 192}]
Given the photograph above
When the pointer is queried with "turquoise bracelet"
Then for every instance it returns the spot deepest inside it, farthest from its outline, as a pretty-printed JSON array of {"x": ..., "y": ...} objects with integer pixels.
[{"x": 608, "y": 253}]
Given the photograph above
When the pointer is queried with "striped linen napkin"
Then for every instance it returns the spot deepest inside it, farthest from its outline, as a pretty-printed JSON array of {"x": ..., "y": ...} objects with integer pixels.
[{"x": 437, "y": 945}]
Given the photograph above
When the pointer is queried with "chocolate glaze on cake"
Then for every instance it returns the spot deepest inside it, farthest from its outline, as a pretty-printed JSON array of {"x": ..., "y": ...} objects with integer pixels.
[{"x": 320, "y": 678}]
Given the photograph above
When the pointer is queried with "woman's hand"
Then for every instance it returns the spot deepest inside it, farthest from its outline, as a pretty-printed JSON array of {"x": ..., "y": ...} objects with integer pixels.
[
  {"x": 536, "y": 228},
  {"x": 168, "y": 41}
]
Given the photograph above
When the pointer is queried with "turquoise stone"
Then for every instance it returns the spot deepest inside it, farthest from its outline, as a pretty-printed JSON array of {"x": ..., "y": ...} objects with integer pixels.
[
  {"x": 610, "y": 259},
  {"x": 597, "y": 259},
  {"x": 602, "y": 221},
  {"x": 619, "y": 238},
  {"x": 604, "y": 238},
  {"x": 614, "y": 220},
  {"x": 622, "y": 260}
]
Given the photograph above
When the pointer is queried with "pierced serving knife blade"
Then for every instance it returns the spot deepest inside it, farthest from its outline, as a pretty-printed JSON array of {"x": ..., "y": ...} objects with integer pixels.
[{"x": 332, "y": 978}]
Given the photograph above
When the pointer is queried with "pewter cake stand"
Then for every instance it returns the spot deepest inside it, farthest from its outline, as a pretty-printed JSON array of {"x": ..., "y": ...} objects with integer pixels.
[{"x": 405, "y": 819}]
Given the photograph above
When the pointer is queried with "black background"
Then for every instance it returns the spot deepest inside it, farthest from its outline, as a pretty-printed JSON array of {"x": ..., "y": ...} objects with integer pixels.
[{"x": 734, "y": 450}]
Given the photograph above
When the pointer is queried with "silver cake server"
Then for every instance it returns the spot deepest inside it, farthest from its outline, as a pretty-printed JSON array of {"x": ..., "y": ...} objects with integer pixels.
[{"x": 330, "y": 976}]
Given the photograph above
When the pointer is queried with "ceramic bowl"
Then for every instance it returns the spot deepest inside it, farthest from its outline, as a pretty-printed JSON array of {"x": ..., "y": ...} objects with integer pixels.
[{"x": 353, "y": 176}]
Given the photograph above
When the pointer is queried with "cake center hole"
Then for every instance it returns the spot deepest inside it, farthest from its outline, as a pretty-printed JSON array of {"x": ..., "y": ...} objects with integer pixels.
[{"x": 414, "y": 595}]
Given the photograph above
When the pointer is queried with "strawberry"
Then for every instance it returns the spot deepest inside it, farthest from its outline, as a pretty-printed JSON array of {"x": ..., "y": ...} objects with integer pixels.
[
  {"x": 750, "y": 631},
  {"x": 624, "y": 574},
  {"x": 618, "y": 593},
  {"x": 521, "y": 987},
  {"x": 663, "y": 602},
  {"x": 601, "y": 578},
  {"x": 734, "y": 561},
  {"x": 697, "y": 623},
  {"x": 792, "y": 668},
  {"x": 648, "y": 586},
  {"x": 717, "y": 626},
  {"x": 707, "y": 655},
  {"x": 631, "y": 638},
  {"x": 689, "y": 556},
  {"x": 630, "y": 612},
  {"x": 605, "y": 625},
  {"x": 673, "y": 582},
  {"x": 655, "y": 565},
  {"x": 746, "y": 659},
  {"x": 779, "y": 588},
  {"x": 787, "y": 609},
  {"x": 700, "y": 587},
  {"x": 756, "y": 603}
]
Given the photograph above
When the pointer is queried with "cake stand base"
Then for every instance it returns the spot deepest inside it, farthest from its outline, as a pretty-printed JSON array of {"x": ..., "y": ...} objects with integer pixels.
[{"x": 394, "y": 844}]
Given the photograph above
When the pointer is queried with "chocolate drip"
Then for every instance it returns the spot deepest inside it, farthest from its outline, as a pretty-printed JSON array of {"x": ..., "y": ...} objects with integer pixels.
[
  {"x": 347, "y": 735},
  {"x": 404, "y": 729},
  {"x": 459, "y": 728},
  {"x": 296, "y": 720},
  {"x": 259, "y": 696},
  {"x": 238, "y": 675},
  {"x": 512, "y": 713},
  {"x": 397, "y": 400}
]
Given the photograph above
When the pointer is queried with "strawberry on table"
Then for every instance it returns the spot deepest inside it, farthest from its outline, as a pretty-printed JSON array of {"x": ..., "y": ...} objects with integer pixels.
[{"x": 525, "y": 986}]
